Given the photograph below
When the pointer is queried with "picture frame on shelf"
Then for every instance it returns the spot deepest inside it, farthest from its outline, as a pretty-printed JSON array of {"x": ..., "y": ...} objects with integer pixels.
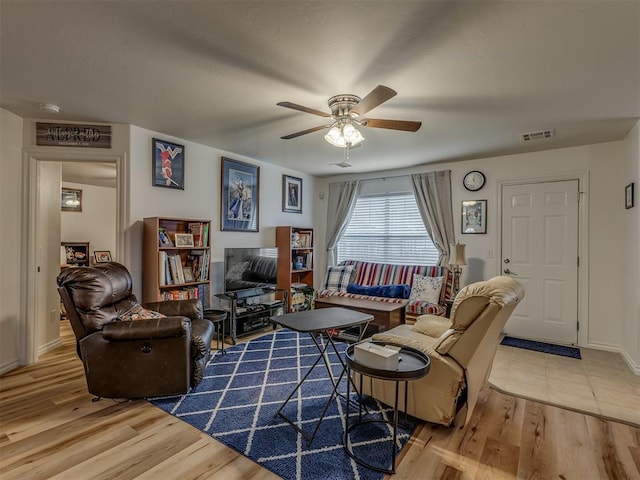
[
  {"x": 291, "y": 194},
  {"x": 164, "y": 238},
  {"x": 167, "y": 164},
  {"x": 102, "y": 256},
  {"x": 474, "y": 216},
  {"x": 240, "y": 191},
  {"x": 628, "y": 196},
  {"x": 184, "y": 240},
  {"x": 71, "y": 200},
  {"x": 187, "y": 272},
  {"x": 76, "y": 253}
]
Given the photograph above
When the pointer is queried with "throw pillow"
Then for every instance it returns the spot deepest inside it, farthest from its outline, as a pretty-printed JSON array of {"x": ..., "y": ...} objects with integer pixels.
[
  {"x": 426, "y": 289},
  {"x": 138, "y": 312},
  {"x": 339, "y": 277},
  {"x": 387, "y": 291}
]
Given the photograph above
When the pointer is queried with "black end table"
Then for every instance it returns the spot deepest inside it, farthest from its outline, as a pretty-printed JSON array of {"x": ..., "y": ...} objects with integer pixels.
[
  {"x": 217, "y": 317},
  {"x": 318, "y": 324},
  {"x": 413, "y": 364}
]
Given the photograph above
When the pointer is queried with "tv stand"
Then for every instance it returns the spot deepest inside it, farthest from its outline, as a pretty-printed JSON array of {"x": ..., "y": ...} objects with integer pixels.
[{"x": 250, "y": 310}]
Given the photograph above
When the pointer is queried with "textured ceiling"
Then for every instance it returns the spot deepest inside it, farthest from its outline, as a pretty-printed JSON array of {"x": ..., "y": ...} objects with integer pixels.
[{"x": 477, "y": 74}]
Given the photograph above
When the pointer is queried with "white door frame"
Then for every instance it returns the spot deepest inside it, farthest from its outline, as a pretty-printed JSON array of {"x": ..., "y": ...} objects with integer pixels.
[
  {"x": 583, "y": 239},
  {"x": 26, "y": 341}
]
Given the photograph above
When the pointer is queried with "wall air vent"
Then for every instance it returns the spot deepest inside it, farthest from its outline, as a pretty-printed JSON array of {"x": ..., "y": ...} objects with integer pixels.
[{"x": 541, "y": 135}]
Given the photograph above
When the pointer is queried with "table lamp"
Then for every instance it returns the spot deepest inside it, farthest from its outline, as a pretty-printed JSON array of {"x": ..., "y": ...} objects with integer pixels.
[{"x": 457, "y": 259}]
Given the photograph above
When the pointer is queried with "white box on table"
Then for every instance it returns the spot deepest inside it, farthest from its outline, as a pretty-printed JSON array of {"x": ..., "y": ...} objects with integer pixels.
[{"x": 377, "y": 356}]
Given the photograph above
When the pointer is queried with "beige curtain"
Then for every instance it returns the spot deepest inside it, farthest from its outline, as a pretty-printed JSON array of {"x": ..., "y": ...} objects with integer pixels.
[
  {"x": 342, "y": 199},
  {"x": 433, "y": 195}
]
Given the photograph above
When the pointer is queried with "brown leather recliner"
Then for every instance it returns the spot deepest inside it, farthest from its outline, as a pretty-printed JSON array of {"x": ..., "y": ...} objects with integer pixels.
[{"x": 133, "y": 358}]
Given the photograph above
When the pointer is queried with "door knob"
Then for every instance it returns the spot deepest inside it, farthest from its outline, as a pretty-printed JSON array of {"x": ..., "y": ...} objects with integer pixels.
[
  {"x": 506, "y": 260},
  {"x": 507, "y": 271}
]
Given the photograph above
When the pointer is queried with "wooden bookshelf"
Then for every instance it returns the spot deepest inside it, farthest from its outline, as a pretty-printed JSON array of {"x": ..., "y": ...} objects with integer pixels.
[
  {"x": 295, "y": 263},
  {"x": 174, "y": 268}
]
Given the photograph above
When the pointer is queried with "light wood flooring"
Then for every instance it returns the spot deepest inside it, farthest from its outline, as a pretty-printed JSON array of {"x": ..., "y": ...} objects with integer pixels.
[{"x": 50, "y": 429}]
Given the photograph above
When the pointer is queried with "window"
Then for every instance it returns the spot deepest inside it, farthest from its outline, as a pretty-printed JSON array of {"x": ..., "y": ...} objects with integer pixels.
[{"x": 387, "y": 229}]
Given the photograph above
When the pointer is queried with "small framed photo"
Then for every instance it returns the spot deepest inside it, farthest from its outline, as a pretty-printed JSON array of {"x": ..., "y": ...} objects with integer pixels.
[
  {"x": 102, "y": 256},
  {"x": 239, "y": 208},
  {"x": 474, "y": 216},
  {"x": 188, "y": 274},
  {"x": 291, "y": 194},
  {"x": 168, "y": 164},
  {"x": 164, "y": 238},
  {"x": 184, "y": 240},
  {"x": 71, "y": 200},
  {"x": 628, "y": 195},
  {"x": 76, "y": 253}
]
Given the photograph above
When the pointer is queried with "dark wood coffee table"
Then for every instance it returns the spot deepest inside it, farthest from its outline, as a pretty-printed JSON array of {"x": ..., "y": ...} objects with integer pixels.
[{"x": 386, "y": 315}]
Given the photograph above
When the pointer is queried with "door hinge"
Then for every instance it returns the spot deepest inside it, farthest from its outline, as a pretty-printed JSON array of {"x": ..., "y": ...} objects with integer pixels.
[
  {"x": 578, "y": 325},
  {"x": 578, "y": 261}
]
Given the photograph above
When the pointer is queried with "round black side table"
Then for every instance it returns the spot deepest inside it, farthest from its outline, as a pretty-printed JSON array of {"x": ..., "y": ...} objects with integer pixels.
[
  {"x": 412, "y": 365},
  {"x": 217, "y": 317}
]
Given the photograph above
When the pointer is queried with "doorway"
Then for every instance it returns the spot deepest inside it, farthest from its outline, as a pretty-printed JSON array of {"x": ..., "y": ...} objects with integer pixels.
[
  {"x": 541, "y": 242},
  {"x": 41, "y": 253}
]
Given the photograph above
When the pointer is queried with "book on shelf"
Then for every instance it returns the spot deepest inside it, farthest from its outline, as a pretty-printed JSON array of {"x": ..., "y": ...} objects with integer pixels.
[
  {"x": 196, "y": 229},
  {"x": 205, "y": 235}
]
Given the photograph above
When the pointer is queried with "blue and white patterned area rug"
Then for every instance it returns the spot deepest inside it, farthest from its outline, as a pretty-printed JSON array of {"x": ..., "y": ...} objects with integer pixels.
[{"x": 243, "y": 389}]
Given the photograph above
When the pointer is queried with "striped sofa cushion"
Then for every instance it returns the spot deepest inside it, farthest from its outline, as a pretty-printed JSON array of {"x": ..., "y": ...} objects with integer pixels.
[{"x": 371, "y": 273}]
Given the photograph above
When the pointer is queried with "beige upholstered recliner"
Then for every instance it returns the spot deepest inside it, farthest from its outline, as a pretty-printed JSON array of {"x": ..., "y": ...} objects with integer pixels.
[{"x": 461, "y": 351}]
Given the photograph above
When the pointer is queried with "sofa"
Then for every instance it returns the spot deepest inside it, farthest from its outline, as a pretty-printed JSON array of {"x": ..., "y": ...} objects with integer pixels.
[
  {"x": 385, "y": 282},
  {"x": 130, "y": 350},
  {"x": 461, "y": 350}
]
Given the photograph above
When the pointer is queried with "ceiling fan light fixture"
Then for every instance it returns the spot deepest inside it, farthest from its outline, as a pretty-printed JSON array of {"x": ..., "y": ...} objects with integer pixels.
[{"x": 340, "y": 136}]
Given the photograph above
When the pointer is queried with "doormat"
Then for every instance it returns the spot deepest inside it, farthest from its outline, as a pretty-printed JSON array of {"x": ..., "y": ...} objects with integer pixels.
[
  {"x": 543, "y": 347},
  {"x": 243, "y": 389}
]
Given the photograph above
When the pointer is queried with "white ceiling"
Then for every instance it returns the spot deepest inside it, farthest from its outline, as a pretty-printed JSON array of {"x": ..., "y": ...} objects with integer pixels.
[{"x": 476, "y": 73}]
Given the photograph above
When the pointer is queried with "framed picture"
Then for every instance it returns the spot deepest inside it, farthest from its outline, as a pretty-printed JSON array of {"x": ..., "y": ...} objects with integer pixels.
[
  {"x": 71, "y": 200},
  {"x": 168, "y": 164},
  {"x": 188, "y": 274},
  {"x": 184, "y": 240},
  {"x": 240, "y": 195},
  {"x": 164, "y": 238},
  {"x": 76, "y": 253},
  {"x": 628, "y": 195},
  {"x": 102, "y": 256},
  {"x": 474, "y": 216},
  {"x": 291, "y": 194}
]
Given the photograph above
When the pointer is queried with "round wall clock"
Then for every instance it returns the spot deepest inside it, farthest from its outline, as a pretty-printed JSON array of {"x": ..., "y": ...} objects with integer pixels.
[{"x": 474, "y": 181}]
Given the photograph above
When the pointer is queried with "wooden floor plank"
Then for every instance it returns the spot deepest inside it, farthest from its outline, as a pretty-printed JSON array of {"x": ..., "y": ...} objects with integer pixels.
[{"x": 50, "y": 428}]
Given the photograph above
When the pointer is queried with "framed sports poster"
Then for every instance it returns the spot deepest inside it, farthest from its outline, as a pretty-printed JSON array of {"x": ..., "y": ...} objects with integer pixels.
[{"x": 240, "y": 195}]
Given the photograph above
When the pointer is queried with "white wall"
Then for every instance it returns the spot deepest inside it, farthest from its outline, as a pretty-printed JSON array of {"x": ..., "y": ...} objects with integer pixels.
[
  {"x": 631, "y": 254},
  {"x": 96, "y": 223},
  {"x": 604, "y": 162},
  {"x": 201, "y": 199},
  {"x": 10, "y": 228}
]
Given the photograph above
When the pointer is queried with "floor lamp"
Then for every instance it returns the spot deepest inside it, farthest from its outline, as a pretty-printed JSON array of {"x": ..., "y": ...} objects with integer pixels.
[{"x": 457, "y": 259}]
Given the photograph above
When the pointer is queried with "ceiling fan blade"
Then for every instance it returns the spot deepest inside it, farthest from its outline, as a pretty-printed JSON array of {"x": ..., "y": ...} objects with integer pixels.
[
  {"x": 304, "y": 132},
  {"x": 302, "y": 108},
  {"x": 406, "y": 125},
  {"x": 378, "y": 95}
]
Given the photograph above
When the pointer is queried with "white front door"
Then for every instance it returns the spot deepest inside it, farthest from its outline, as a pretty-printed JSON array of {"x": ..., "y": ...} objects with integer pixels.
[{"x": 540, "y": 249}]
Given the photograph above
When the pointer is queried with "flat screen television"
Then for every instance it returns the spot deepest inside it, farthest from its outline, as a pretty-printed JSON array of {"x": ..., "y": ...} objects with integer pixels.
[{"x": 246, "y": 268}]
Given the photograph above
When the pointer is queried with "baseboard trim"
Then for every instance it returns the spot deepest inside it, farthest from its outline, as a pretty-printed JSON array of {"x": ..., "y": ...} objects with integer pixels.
[
  {"x": 604, "y": 346},
  {"x": 49, "y": 346},
  {"x": 11, "y": 365},
  {"x": 635, "y": 368}
]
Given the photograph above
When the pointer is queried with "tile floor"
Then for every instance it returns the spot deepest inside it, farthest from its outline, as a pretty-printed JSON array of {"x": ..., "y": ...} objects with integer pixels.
[{"x": 600, "y": 383}]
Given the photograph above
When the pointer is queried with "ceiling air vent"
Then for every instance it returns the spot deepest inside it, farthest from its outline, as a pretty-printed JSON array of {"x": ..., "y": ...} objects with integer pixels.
[{"x": 541, "y": 135}]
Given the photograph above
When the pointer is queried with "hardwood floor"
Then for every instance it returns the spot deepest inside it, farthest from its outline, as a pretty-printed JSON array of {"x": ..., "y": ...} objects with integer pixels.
[{"x": 50, "y": 429}]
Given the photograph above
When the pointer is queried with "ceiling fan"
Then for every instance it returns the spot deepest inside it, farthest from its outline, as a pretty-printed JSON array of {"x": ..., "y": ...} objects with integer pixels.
[{"x": 346, "y": 115}]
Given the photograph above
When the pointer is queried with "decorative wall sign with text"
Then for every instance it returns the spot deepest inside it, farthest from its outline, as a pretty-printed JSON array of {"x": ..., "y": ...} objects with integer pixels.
[{"x": 73, "y": 135}]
